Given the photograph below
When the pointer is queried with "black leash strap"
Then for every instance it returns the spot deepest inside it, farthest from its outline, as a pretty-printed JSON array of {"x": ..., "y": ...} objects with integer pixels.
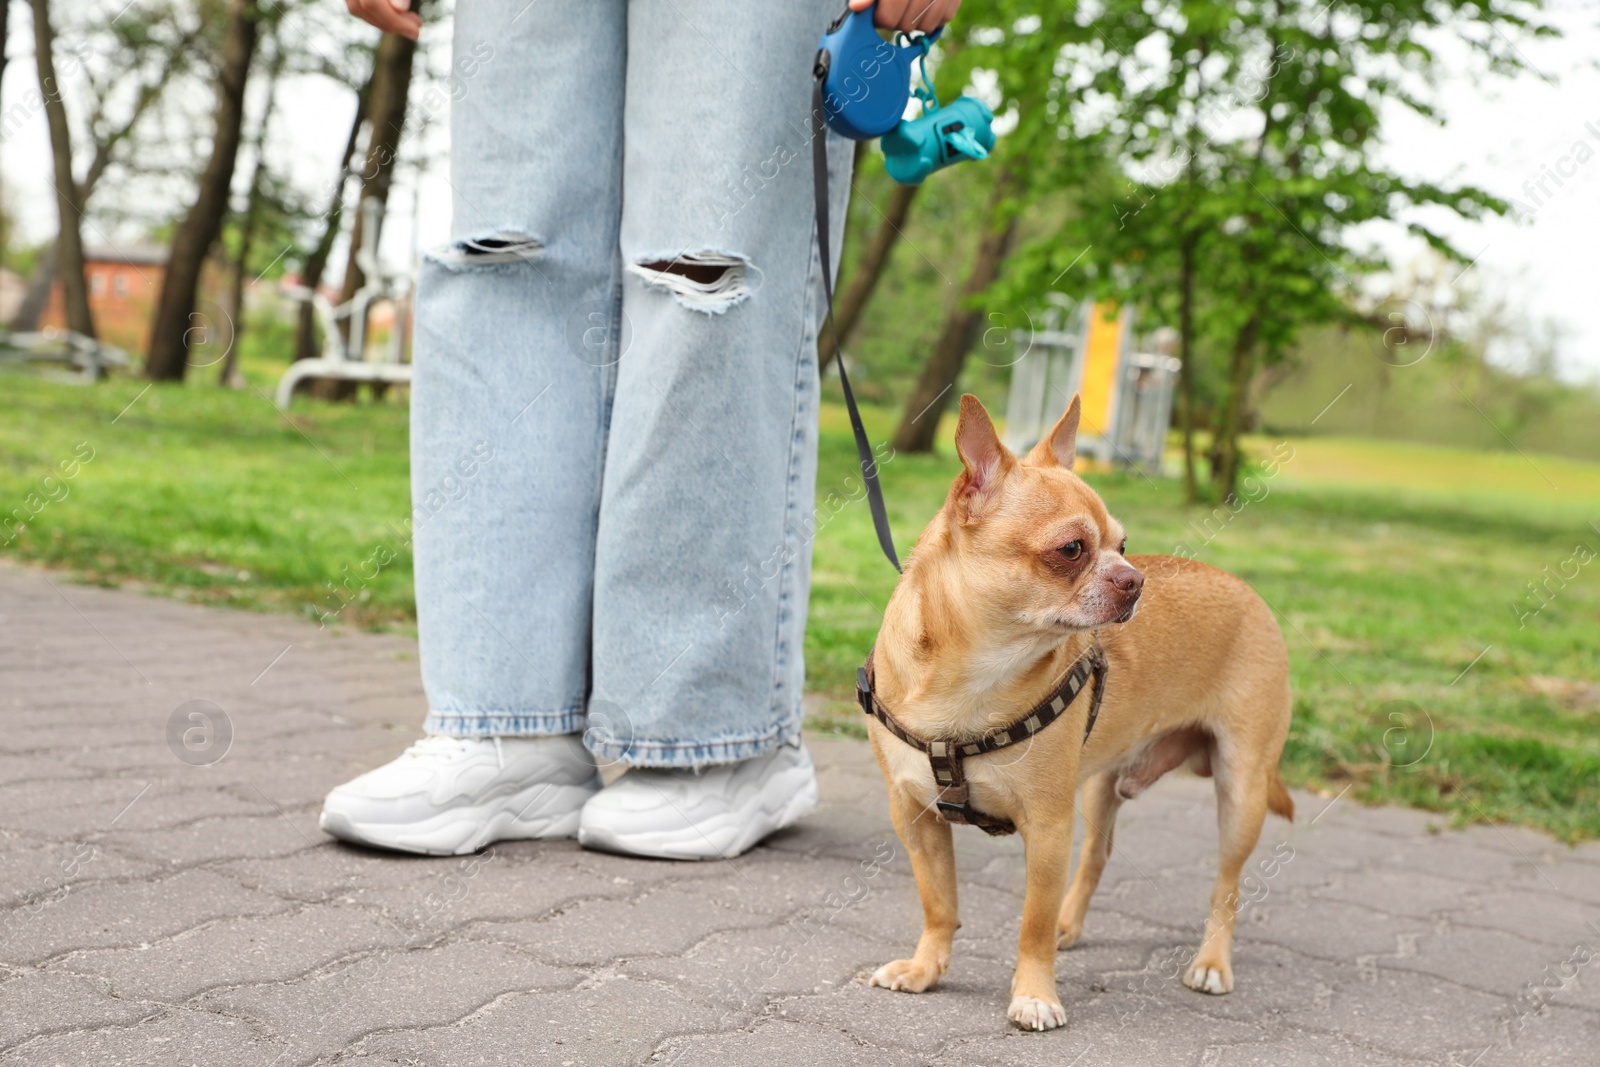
[{"x": 819, "y": 181}]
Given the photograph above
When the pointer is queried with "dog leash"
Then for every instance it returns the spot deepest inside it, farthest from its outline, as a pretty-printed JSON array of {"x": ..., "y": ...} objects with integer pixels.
[
  {"x": 819, "y": 182},
  {"x": 946, "y": 757}
]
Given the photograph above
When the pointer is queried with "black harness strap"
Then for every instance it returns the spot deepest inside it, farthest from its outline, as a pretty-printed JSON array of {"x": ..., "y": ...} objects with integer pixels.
[
  {"x": 819, "y": 182},
  {"x": 945, "y": 757}
]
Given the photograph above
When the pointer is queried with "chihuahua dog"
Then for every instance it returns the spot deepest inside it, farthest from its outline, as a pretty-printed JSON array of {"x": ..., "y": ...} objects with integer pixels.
[{"x": 1020, "y": 577}]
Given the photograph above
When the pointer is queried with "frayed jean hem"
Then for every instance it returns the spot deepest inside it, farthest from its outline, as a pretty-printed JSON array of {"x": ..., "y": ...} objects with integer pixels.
[
  {"x": 610, "y": 748},
  {"x": 503, "y": 723}
]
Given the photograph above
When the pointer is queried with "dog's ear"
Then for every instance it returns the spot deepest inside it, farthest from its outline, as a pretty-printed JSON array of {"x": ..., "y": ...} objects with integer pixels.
[
  {"x": 1060, "y": 446},
  {"x": 985, "y": 460}
]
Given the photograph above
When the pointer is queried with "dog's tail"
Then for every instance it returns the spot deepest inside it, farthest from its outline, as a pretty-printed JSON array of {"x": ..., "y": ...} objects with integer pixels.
[{"x": 1279, "y": 802}]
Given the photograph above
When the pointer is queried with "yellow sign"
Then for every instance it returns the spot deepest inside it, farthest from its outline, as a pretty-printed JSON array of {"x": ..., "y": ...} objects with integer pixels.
[{"x": 1102, "y": 351}]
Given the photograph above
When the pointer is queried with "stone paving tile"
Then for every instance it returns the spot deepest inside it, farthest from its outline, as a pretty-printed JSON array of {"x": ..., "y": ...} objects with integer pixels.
[
  {"x": 54, "y": 774},
  {"x": 174, "y": 1039},
  {"x": 37, "y": 870},
  {"x": 1556, "y": 1035},
  {"x": 129, "y": 914},
  {"x": 609, "y": 1019},
  {"x": 591, "y": 933},
  {"x": 406, "y": 989},
  {"x": 208, "y": 836},
  {"x": 212, "y": 922},
  {"x": 229, "y": 951},
  {"x": 1397, "y": 890},
  {"x": 785, "y": 1042},
  {"x": 1556, "y": 921},
  {"x": 41, "y": 1002}
]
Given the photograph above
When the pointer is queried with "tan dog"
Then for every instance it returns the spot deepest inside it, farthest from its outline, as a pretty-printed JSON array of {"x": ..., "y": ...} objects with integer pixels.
[{"x": 1021, "y": 570}]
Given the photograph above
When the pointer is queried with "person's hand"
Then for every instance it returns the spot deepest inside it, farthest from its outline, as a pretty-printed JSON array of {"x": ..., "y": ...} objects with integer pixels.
[
  {"x": 907, "y": 15},
  {"x": 390, "y": 16}
]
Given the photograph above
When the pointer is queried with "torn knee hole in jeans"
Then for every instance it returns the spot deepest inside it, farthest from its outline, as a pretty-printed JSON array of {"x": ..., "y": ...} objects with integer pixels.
[
  {"x": 507, "y": 246},
  {"x": 711, "y": 282}
]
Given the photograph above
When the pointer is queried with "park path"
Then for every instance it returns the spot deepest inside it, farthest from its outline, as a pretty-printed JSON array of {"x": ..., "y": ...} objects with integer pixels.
[{"x": 167, "y": 911}]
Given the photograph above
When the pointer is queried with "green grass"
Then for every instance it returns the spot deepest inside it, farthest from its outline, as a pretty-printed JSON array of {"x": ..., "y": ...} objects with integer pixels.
[
  {"x": 211, "y": 495},
  {"x": 1392, "y": 567}
]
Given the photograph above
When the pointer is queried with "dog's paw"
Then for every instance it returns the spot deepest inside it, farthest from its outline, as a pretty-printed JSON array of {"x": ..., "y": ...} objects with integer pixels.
[
  {"x": 1210, "y": 978},
  {"x": 1031, "y": 1013},
  {"x": 906, "y": 976},
  {"x": 1067, "y": 934}
]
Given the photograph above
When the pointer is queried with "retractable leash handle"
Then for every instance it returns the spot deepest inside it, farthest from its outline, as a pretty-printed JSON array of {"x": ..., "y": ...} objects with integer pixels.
[{"x": 866, "y": 81}]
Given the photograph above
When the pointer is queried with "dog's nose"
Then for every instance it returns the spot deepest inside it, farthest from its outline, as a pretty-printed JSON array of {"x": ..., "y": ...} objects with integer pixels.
[{"x": 1126, "y": 581}]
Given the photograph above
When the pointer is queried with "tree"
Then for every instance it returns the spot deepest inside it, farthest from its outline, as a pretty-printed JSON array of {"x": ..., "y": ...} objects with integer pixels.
[
  {"x": 316, "y": 261},
  {"x": 175, "y": 309},
  {"x": 386, "y": 114},
  {"x": 228, "y": 374},
  {"x": 1018, "y": 44},
  {"x": 5, "y": 26},
  {"x": 1244, "y": 135},
  {"x": 863, "y": 278},
  {"x": 145, "y": 52},
  {"x": 68, "y": 262},
  {"x": 917, "y": 430}
]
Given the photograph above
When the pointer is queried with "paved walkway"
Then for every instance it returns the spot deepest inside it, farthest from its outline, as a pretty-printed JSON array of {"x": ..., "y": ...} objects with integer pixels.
[{"x": 167, "y": 910}]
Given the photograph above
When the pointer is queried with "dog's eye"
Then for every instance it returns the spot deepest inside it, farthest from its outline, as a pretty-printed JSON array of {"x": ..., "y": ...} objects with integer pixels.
[
  {"x": 1071, "y": 550},
  {"x": 1122, "y": 549}
]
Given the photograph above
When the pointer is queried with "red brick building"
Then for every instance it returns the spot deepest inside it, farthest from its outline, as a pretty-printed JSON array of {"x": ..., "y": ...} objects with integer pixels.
[{"x": 124, "y": 284}]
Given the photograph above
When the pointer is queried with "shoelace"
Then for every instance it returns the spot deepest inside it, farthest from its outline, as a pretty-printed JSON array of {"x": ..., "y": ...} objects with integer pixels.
[
  {"x": 440, "y": 746},
  {"x": 436, "y": 746}
]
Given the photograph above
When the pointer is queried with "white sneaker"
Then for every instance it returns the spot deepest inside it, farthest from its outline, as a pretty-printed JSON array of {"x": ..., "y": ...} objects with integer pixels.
[
  {"x": 715, "y": 813},
  {"x": 447, "y": 796}
]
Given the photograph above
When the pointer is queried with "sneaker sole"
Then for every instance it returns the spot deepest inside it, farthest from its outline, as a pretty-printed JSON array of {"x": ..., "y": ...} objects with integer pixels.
[
  {"x": 721, "y": 838},
  {"x": 539, "y": 812}
]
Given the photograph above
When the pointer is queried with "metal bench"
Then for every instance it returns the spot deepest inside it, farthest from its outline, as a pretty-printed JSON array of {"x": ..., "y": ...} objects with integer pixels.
[
  {"x": 90, "y": 359},
  {"x": 343, "y": 353}
]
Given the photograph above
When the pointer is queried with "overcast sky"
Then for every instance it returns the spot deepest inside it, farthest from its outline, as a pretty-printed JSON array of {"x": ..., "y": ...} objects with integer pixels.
[{"x": 1504, "y": 135}]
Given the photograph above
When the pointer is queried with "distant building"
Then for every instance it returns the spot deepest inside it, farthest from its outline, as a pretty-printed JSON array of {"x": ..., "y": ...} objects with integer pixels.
[
  {"x": 124, "y": 284},
  {"x": 12, "y": 289}
]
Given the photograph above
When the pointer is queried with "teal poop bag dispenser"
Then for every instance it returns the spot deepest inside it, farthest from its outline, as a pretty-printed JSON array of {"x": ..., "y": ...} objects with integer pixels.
[{"x": 937, "y": 138}]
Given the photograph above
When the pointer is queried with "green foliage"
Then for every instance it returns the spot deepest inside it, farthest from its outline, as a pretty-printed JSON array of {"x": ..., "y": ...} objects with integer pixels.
[
  {"x": 1435, "y": 390},
  {"x": 1238, "y": 137}
]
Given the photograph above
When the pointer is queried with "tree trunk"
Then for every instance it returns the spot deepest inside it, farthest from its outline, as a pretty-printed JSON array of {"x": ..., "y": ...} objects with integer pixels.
[
  {"x": 5, "y": 26},
  {"x": 864, "y": 278},
  {"x": 191, "y": 243},
  {"x": 391, "y": 85},
  {"x": 37, "y": 295},
  {"x": 1186, "y": 359},
  {"x": 44, "y": 272},
  {"x": 920, "y": 423},
  {"x": 229, "y": 375},
  {"x": 69, "y": 238},
  {"x": 305, "y": 339},
  {"x": 1230, "y": 421}
]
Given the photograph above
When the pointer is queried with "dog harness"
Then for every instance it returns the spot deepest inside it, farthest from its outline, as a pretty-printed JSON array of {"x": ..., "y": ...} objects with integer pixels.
[{"x": 946, "y": 756}]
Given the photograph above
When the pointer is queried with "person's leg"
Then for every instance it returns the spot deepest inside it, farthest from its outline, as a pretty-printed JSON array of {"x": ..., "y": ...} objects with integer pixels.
[
  {"x": 509, "y": 410},
  {"x": 703, "y": 550}
]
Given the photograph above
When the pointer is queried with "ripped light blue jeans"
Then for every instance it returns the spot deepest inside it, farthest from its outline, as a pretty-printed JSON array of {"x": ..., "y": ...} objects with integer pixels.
[{"x": 614, "y": 416}]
